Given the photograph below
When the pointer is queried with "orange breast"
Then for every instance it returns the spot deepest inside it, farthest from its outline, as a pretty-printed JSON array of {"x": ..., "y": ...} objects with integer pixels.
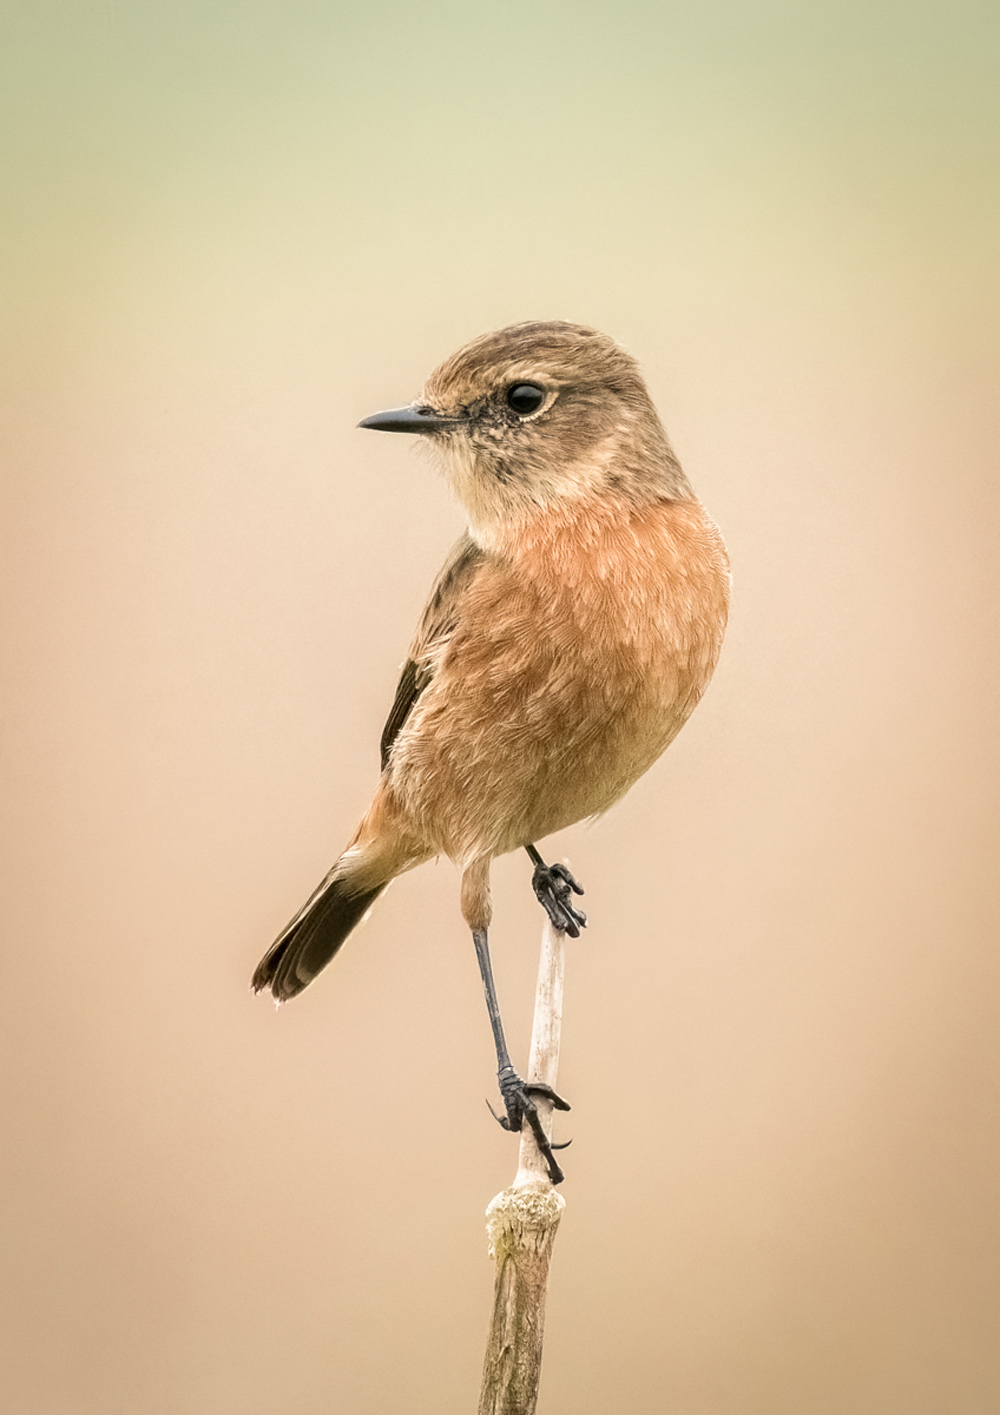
[{"x": 583, "y": 648}]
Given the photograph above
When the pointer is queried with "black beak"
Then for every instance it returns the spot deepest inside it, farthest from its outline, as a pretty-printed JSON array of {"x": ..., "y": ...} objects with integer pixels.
[{"x": 408, "y": 420}]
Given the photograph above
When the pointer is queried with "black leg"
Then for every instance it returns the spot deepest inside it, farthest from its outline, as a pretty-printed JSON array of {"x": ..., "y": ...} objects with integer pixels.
[
  {"x": 554, "y": 887},
  {"x": 516, "y": 1094}
]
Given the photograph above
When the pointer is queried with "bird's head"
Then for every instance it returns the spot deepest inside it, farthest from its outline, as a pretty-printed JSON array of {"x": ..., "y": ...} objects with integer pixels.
[{"x": 539, "y": 415}]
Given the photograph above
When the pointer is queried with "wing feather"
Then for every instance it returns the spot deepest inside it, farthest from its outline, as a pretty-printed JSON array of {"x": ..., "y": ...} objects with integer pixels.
[{"x": 437, "y": 624}]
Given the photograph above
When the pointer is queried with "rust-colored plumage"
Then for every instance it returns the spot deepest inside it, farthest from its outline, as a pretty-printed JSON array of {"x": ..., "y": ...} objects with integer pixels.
[{"x": 568, "y": 638}]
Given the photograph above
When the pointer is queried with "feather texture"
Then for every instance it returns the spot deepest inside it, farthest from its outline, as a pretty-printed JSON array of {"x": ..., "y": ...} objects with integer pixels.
[{"x": 565, "y": 643}]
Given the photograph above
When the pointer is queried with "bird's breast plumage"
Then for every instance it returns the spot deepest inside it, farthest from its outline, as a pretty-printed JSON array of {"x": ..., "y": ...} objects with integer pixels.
[{"x": 580, "y": 648}]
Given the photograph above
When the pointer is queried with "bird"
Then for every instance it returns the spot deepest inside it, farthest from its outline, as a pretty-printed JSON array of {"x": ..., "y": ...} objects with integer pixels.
[{"x": 567, "y": 639}]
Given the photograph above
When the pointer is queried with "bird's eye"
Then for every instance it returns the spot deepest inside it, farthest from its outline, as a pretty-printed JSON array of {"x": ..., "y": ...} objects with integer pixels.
[{"x": 524, "y": 398}]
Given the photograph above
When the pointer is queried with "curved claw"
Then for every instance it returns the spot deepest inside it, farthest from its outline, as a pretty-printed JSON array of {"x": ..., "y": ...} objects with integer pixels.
[
  {"x": 563, "y": 1146},
  {"x": 521, "y": 1111},
  {"x": 501, "y": 1120},
  {"x": 553, "y": 885},
  {"x": 541, "y": 1088},
  {"x": 562, "y": 872}
]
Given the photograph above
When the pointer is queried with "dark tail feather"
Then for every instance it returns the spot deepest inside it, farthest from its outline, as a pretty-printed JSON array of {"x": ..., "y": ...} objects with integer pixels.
[{"x": 313, "y": 937}]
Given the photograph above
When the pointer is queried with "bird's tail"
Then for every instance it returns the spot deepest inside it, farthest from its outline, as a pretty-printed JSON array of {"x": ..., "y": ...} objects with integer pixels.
[{"x": 317, "y": 931}]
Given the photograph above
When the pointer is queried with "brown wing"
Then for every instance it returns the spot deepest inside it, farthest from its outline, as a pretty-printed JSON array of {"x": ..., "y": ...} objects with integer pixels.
[{"x": 436, "y": 626}]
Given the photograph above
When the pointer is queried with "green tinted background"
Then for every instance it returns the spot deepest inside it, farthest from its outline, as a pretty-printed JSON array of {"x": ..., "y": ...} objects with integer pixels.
[{"x": 231, "y": 232}]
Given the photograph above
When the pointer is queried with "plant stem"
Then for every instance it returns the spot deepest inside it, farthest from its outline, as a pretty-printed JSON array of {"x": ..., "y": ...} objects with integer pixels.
[{"x": 521, "y": 1222}]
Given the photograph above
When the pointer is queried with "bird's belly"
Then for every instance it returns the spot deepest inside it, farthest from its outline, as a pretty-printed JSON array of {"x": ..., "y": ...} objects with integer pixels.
[
  {"x": 564, "y": 686},
  {"x": 530, "y": 742},
  {"x": 604, "y": 736}
]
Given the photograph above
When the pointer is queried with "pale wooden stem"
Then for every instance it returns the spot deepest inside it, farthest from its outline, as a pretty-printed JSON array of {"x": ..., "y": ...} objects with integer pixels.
[
  {"x": 521, "y": 1222},
  {"x": 543, "y": 1060}
]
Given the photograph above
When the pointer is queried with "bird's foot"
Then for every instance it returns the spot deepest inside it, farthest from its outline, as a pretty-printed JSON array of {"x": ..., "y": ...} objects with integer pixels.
[
  {"x": 521, "y": 1110},
  {"x": 554, "y": 888}
]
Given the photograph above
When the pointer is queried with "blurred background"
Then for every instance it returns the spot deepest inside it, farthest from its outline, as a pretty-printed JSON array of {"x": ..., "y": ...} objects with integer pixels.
[{"x": 231, "y": 232}]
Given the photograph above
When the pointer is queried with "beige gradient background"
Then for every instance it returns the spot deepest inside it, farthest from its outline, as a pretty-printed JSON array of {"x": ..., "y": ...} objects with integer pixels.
[{"x": 231, "y": 232}]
